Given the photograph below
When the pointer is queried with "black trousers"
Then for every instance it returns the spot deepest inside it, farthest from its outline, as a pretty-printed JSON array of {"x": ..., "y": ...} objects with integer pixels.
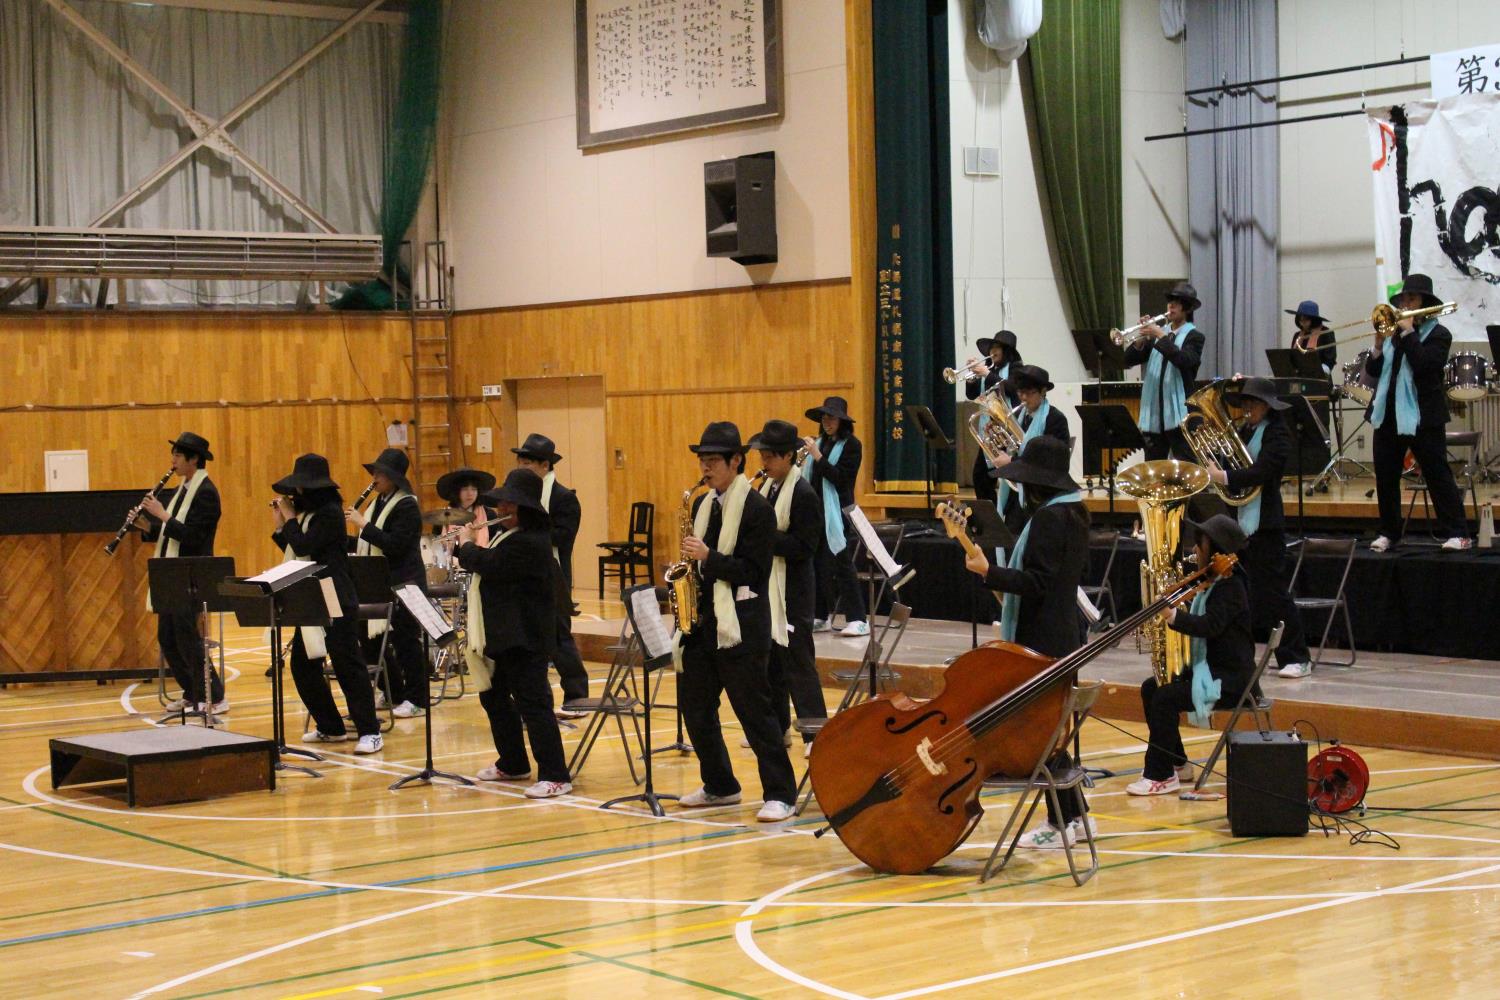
[
  {"x": 182, "y": 648},
  {"x": 1163, "y": 705},
  {"x": 404, "y": 661},
  {"x": 568, "y": 661},
  {"x": 1429, "y": 447},
  {"x": 1167, "y": 444},
  {"x": 521, "y": 696},
  {"x": 1269, "y": 574},
  {"x": 342, "y": 639},
  {"x": 793, "y": 671},
  {"x": 985, "y": 485},
  {"x": 706, "y": 673},
  {"x": 836, "y": 580},
  {"x": 1068, "y": 800}
]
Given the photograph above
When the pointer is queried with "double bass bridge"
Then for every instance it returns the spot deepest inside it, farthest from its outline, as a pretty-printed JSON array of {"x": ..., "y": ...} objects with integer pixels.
[{"x": 924, "y": 754}]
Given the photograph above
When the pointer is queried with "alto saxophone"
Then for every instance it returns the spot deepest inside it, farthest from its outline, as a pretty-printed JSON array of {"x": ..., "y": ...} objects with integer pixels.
[{"x": 682, "y": 577}]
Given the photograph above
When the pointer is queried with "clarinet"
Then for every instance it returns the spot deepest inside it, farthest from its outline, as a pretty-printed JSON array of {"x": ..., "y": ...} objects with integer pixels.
[
  {"x": 363, "y": 496},
  {"x": 135, "y": 512}
]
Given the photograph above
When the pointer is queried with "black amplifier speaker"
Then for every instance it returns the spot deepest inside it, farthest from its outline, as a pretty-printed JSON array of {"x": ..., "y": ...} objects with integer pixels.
[{"x": 1267, "y": 779}]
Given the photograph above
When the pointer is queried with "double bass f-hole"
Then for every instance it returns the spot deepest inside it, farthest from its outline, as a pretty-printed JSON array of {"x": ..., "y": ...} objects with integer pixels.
[
  {"x": 944, "y": 806},
  {"x": 895, "y": 730}
]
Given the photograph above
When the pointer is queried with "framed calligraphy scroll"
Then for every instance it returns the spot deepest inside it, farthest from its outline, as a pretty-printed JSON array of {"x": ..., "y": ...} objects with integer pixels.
[{"x": 654, "y": 67}]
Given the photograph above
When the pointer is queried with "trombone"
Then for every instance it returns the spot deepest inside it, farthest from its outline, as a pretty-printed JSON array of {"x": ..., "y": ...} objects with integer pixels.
[{"x": 1383, "y": 318}]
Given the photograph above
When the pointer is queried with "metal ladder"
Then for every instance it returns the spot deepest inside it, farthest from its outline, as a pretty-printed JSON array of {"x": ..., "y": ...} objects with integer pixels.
[{"x": 433, "y": 438}]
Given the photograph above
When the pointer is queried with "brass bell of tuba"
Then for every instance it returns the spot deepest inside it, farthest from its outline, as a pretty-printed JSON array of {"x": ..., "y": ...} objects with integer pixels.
[{"x": 1211, "y": 432}]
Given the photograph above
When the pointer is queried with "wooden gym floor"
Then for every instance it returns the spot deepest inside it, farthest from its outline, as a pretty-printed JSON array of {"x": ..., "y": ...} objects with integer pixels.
[{"x": 337, "y": 887}]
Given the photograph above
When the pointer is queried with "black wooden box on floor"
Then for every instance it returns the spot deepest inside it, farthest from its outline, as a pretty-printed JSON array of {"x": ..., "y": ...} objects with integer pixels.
[
  {"x": 1267, "y": 779},
  {"x": 739, "y": 201},
  {"x": 162, "y": 765}
]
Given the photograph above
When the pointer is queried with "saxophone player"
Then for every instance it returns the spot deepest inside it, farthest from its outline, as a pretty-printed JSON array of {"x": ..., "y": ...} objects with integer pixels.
[{"x": 732, "y": 540}]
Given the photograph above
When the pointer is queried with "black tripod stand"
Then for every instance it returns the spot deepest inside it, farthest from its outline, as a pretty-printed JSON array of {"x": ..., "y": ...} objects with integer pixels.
[
  {"x": 644, "y": 612},
  {"x": 435, "y": 629}
]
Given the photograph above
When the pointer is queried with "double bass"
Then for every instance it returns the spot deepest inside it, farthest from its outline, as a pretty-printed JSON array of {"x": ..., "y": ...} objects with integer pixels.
[{"x": 899, "y": 779}]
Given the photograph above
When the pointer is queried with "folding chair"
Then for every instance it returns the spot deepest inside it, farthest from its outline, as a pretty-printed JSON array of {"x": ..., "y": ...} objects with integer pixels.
[
  {"x": 621, "y": 559},
  {"x": 1103, "y": 593},
  {"x": 1045, "y": 781},
  {"x": 1418, "y": 485},
  {"x": 1333, "y": 605},
  {"x": 1260, "y": 709},
  {"x": 617, "y": 701}
]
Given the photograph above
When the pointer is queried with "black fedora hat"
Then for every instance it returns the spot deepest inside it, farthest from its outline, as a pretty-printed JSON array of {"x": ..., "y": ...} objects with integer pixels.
[
  {"x": 1004, "y": 338},
  {"x": 1029, "y": 377},
  {"x": 393, "y": 463},
  {"x": 1308, "y": 308},
  {"x": 1256, "y": 387},
  {"x": 776, "y": 435},
  {"x": 309, "y": 472},
  {"x": 1224, "y": 531},
  {"x": 1185, "y": 293},
  {"x": 1420, "y": 284},
  {"x": 449, "y": 483},
  {"x": 1043, "y": 462},
  {"x": 719, "y": 438},
  {"x": 522, "y": 487},
  {"x": 538, "y": 448},
  {"x": 833, "y": 406},
  {"x": 191, "y": 444}
]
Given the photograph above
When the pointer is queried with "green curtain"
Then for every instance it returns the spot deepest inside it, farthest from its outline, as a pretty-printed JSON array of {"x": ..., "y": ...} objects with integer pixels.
[
  {"x": 1073, "y": 64},
  {"x": 914, "y": 246},
  {"x": 409, "y": 155}
]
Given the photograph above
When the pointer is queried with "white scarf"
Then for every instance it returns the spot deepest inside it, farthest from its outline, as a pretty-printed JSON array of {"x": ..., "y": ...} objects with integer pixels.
[
  {"x": 777, "y": 584},
  {"x": 313, "y": 642},
  {"x": 732, "y": 503},
  {"x": 362, "y": 547},
  {"x": 481, "y": 666},
  {"x": 548, "y": 481},
  {"x": 168, "y": 548}
]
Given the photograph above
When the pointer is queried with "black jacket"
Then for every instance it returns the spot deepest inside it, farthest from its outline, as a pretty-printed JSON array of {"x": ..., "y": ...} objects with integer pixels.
[
  {"x": 1427, "y": 361},
  {"x": 1328, "y": 352},
  {"x": 973, "y": 388},
  {"x": 400, "y": 540},
  {"x": 566, "y": 513},
  {"x": 517, "y": 592},
  {"x": 324, "y": 542},
  {"x": 1225, "y": 623},
  {"x": 1266, "y": 472},
  {"x": 798, "y": 544},
  {"x": 1057, "y": 550},
  {"x": 748, "y": 566},
  {"x": 195, "y": 533},
  {"x": 1185, "y": 358},
  {"x": 1057, "y": 427},
  {"x": 843, "y": 475}
]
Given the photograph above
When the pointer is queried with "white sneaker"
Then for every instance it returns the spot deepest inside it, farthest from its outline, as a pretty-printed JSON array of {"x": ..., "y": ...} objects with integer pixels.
[
  {"x": 703, "y": 797},
  {"x": 406, "y": 710},
  {"x": 493, "y": 773},
  {"x": 1184, "y": 773},
  {"x": 548, "y": 789},
  {"x": 317, "y": 737},
  {"x": 567, "y": 714},
  {"x": 1295, "y": 670},
  {"x": 1148, "y": 787},
  {"x": 373, "y": 743},
  {"x": 176, "y": 705},
  {"x": 820, "y": 625},
  {"x": 1046, "y": 836},
  {"x": 775, "y": 812},
  {"x": 1075, "y": 828},
  {"x": 1458, "y": 544},
  {"x": 855, "y": 629},
  {"x": 1381, "y": 544},
  {"x": 220, "y": 707}
]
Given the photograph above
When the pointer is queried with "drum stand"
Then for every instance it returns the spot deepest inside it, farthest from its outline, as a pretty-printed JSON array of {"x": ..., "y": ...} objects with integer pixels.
[{"x": 1333, "y": 470}]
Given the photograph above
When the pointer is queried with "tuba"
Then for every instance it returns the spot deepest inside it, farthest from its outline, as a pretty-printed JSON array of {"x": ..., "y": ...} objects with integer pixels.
[
  {"x": 995, "y": 427},
  {"x": 1210, "y": 431},
  {"x": 1162, "y": 490},
  {"x": 682, "y": 577}
]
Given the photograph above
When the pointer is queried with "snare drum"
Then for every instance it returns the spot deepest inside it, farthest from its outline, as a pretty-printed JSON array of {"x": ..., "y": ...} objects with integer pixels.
[
  {"x": 1468, "y": 376},
  {"x": 1359, "y": 385}
]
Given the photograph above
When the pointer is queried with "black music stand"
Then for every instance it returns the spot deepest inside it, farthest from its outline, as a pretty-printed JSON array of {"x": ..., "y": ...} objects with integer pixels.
[
  {"x": 1288, "y": 362},
  {"x": 189, "y": 585},
  {"x": 889, "y": 574},
  {"x": 650, "y": 636},
  {"x": 933, "y": 439},
  {"x": 435, "y": 629},
  {"x": 989, "y": 531},
  {"x": 295, "y": 598},
  {"x": 1102, "y": 357},
  {"x": 1303, "y": 419},
  {"x": 1112, "y": 424}
]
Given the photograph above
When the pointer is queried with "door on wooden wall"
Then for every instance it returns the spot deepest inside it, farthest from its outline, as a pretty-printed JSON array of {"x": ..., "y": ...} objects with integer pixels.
[{"x": 570, "y": 411}]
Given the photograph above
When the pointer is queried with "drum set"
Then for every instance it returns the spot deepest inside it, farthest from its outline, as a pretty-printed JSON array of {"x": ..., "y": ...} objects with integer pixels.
[
  {"x": 448, "y": 584},
  {"x": 1468, "y": 377}
]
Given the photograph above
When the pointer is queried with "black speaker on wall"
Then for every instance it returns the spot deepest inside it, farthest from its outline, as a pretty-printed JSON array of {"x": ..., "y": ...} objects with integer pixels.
[
  {"x": 739, "y": 202},
  {"x": 1267, "y": 785}
]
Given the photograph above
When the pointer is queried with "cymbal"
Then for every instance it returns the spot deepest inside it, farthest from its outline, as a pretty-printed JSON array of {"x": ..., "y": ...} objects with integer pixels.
[{"x": 448, "y": 516}]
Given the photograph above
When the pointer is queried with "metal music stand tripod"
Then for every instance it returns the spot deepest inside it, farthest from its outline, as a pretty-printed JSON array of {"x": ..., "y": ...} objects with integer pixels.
[
  {"x": 1111, "y": 428},
  {"x": 435, "y": 629},
  {"x": 933, "y": 440},
  {"x": 656, "y": 653},
  {"x": 189, "y": 585}
]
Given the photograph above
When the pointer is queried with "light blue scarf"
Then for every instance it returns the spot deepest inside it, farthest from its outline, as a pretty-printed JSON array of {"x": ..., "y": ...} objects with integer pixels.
[
  {"x": 1033, "y": 430},
  {"x": 1407, "y": 412},
  {"x": 1010, "y": 605},
  {"x": 1250, "y": 513},
  {"x": 1163, "y": 383},
  {"x": 833, "y": 514},
  {"x": 1206, "y": 687}
]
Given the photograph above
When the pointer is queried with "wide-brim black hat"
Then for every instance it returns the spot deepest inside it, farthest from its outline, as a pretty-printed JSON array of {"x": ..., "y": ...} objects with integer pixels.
[
  {"x": 1224, "y": 531},
  {"x": 1029, "y": 377},
  {"x": 522, "y": 487},
  {"x": 1307, "y": 308},
  {"x": 309, "y": 472},
  {"x": 188, "y": 442},
  {"x": 1422, "y": 285},
  {"x": 538, "y": 448},
  {"x": 1043, "y": 462},
  {"x": 1256, "y": 387},
  {"x": 1004, "y": 338},
  {"x": 1186, "y": 294},
  {"x": 449, "y": 483},
  {"x": 393, "y": 463},
  {"x": 719, "y": 438},
  {"x": 776, "y": 435},
  {"x": 833, "y": 406}
]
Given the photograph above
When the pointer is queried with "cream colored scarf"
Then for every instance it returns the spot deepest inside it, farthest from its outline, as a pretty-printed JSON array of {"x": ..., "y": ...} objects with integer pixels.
[
  {"x": 548, "y": 481},
  {"x": 168, "y": 548},
  {"x": 777, "y": 585},
  {"x": 480, "y": 666},
  {"x": 362, "y": 547},
  {"x": 732, "y": 503},
  {"x": 313, "y": 641}
]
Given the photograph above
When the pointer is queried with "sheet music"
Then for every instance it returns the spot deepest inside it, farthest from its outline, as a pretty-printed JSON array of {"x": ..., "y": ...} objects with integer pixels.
[
  {"x": 427, "y": 613},
  {"x": 1087, "y": 607},
  {"x": 280, "y": 571},
  {"x": 646, "y": 616},
  {"x": 872, "y": 541}
]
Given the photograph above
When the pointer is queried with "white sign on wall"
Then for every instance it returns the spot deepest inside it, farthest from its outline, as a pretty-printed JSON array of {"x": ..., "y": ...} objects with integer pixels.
[{"x": 1473, "y": 70}]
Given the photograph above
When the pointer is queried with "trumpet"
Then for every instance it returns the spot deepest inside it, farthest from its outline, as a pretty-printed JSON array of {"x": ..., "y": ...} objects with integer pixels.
[
  {"x": 1129, "y": 336},
  {"x": 1383, "y": 319},
  {"x": 135, "y": 512},
  {"x": 761, "y": 474},
  {"x": 977, "y": 368}
]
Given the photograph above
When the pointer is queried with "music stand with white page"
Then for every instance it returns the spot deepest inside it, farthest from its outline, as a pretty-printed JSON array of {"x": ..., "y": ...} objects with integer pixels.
[
  {"x": 891, "y": 574},
  {"x": 436, "y": 629},
  {"x": 643, "y": 610}
]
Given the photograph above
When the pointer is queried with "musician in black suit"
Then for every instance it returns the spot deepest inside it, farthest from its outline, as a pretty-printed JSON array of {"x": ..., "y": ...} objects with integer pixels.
[
  {"x": 512, "y": 631},
  {"x": 1169, "y": 360},
  {"x": 834, "y": 457},
  {"x": 733, "y": 541},
  {"x": 1001, "y": 355},
  {"x": 539, "y": 454},
  {"x": 1220, "y": 617},
  {"x": 1409, "y": 411},
  {"x": 309, "y": 517},
  {"x": 1038, "y": 417},
  {"x": 1312, "y": 333},
  {"x": 185, "y": 526},
  {"x": 1040, "y": 584},
  {"x": 799, "y": 525},
  {"x": 1268, "y": 440}
]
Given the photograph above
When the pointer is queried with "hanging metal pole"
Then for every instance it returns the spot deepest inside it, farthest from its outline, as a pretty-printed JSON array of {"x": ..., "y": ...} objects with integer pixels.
[
  {"x": 1225, "y": 87},
  {"x": 1248, "y": 125}
]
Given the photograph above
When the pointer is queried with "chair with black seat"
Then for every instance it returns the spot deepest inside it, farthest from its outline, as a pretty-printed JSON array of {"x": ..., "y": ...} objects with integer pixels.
[
  {"x": 621, "y": 560},
  {"x": 1258, "y": 706},
  {"x": 1472, "y": 469},
  {"x": 1337, "y": 548},
  {"x": 1103, "y": 593},
  {"x": 617, "y": 700}
]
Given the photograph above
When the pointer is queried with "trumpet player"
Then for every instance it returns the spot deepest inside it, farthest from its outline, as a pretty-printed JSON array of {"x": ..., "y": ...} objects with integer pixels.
[
  {"x": 1169, "y": 358},
  {"x": 732, "y": 542},
  {"x": 1409, "y": 411},
  {"x": 185, "y": 526},
  {"x": 1000, "y": 356}
]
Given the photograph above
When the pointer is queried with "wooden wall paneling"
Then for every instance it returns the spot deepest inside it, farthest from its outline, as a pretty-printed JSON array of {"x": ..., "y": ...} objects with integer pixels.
[
  {"x": 98, "y": 604},
  {"x": 30, "y": 609}
]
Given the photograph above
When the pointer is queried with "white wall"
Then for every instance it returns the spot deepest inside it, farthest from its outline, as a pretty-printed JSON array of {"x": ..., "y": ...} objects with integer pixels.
[
  {"x": 1153, "y": 175},
  {"x": 531, "y": 218}
]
